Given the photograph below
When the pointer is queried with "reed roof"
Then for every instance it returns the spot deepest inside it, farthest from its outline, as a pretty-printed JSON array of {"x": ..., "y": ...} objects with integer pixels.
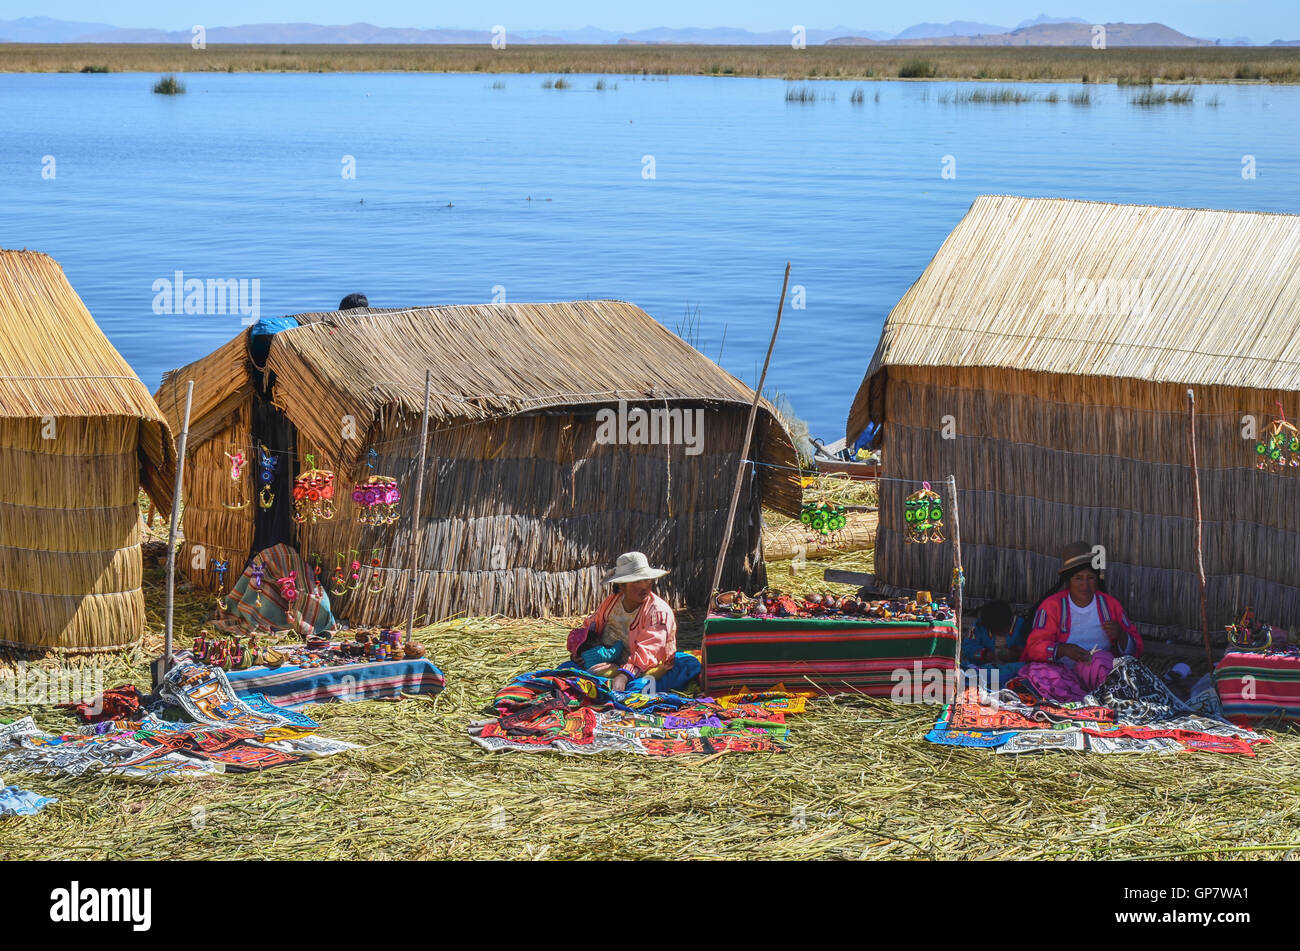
[
  {"x": 1204, "y": 297},
  {"x": 55, "y": 361},
  {"x": 488, "y": 361}
]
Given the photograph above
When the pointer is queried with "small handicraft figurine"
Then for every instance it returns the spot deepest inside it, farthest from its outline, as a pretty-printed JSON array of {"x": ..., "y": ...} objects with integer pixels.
[
  {"x": 924, "y": 514},
  {"x": 1248, "y": 635}
]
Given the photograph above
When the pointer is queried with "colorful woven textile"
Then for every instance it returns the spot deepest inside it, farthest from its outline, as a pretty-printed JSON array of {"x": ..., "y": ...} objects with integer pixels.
[
  {"x": 249, "y": 608},
  {"x": 205, "y": 694},
  {"x": 154, "y": 749},
  {"x": 294, "y": 686},
  {"x": 1258, "y": 687},
  {"x": 833, "y": 656},
  {"x": 572, "y": 711},
  {"x": 232, "y": 735},
  {"x": 1144, "y": 718}
]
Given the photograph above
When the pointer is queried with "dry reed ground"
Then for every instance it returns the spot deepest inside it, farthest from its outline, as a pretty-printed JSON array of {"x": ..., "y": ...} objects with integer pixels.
[
  {"x": 857, "y": 782},
  {"x": 1011, "y": 63}
]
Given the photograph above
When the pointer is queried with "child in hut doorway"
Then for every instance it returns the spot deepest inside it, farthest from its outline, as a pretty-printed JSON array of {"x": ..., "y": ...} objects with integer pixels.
[
  {"x": 632, "y": 637},
  {"x": 996, "y": 642}
]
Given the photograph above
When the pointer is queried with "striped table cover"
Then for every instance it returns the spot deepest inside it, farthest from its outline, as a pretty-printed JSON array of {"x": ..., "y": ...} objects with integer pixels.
[
  {"x": 1255, "y": 687},
  {"x": 295, "y": 686},
  {"x": 838, "y": 656}
]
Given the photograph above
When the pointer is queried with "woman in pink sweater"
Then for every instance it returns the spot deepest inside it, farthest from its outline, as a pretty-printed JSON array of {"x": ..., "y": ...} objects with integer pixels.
[
  {"x": 1078, "y": 632},
  {"x": 632, "y": 637}
]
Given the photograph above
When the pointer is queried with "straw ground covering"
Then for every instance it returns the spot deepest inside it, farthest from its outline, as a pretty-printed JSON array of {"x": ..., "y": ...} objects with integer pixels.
[
  {"x": 1129, "y": 65},
  {"x": 858, "y": 782}
]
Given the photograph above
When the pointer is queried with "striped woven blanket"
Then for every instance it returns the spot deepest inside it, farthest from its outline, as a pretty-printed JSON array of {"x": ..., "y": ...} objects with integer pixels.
[
  {"x": 1258, "y": 687},
  {"x": 834, "y": 656},
  {"x": 294, "y": 686}
]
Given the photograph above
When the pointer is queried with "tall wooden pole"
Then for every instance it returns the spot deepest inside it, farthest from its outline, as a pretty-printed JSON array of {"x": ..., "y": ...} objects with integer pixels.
[
  {"x": 419, "y": 501},
  {"x": 957, "y": 570},
  {"x": 171, "y": 532},
  {"x": 1196, "y": 495},
  {"x": 744, "y": 452}
]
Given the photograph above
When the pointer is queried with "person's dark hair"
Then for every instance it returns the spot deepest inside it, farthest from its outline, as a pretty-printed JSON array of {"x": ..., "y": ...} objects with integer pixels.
[
  {"x": 352, "y": 301},
  {"x": 997, "y": 617},
  {"x": 1062, "y": 580}
]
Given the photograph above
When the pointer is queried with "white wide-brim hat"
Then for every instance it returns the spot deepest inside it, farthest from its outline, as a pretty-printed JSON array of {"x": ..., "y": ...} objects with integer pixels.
[{"x": 633, "y": 566}]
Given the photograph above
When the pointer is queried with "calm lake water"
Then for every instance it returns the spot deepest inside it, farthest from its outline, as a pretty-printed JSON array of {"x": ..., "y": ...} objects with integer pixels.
[{"x": 242, "y": 178}]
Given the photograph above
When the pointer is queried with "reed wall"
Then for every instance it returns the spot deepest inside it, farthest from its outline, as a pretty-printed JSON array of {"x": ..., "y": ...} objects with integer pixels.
[
  {"x": 1044, "y": 459},
  {"x": 522, "y": 516},
  {"x": 70, "y": 564}
]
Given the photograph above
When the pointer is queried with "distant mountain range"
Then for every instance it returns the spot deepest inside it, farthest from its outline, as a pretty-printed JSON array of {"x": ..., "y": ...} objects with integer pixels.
[
  {"x": 1068, "y": 33},
  {"x": 1040, "y": 31}
]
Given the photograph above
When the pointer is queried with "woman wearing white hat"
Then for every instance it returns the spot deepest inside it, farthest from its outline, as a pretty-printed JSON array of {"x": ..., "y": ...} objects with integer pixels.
[{"x": 632, "y": 637}]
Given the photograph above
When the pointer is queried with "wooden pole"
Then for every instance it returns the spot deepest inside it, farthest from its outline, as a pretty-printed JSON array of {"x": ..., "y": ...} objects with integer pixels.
[
  {"x": 171, "y": 533},
  {"x": 956, "y": 565},
  {"x": 419, "y": 501},
  {"x": 744, "y": 452},
  {"x": 1196, "y": 495}
]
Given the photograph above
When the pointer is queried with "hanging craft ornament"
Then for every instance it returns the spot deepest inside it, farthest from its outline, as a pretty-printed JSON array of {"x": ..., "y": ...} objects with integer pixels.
[
  {"x": 317, "y": 565},
  {"x": 376, "y": 500},
  {"x": 823, "y": 517},
  {"x": 1279, "y": 445},
  {"x": 266, "y": 461},
  {"x": 289, "y": 591},
  {"x": 376, "y": 580},
  {"x": 338, "y": 580},
  {"x": 355, "y": 569},
  {"x": 924, "y": 514},
  {"x": 235, "y": 489},
  {"x": 221, "y": 567},
  {"x": 259, "y": 571},
  {"x": 313, "y": 494}
]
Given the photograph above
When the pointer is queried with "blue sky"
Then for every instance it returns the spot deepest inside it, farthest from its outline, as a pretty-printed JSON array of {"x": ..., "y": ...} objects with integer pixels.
[{"x": 1262, "y": 20}]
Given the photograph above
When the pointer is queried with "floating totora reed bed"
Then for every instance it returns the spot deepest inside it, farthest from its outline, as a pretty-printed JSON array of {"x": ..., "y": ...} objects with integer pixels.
[
  {"x": 79, "y": 434},
  {"x": 1066, "y": 419},
  {"x": 858, "y": 782}
]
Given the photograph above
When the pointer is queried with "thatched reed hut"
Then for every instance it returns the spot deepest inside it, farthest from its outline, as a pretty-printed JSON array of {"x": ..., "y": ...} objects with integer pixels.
[
  {"x": 1044, "y": 358},
  {"x": 79, "y": 435},
  {"x": 527, "y": 501}
]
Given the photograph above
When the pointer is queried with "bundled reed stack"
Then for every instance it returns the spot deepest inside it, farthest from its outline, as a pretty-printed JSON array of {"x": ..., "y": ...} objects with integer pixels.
[
  {"x": 79, "y": 435},
  {"x": 526, "y": 502},
  {"x": 1044, "y": 357}
]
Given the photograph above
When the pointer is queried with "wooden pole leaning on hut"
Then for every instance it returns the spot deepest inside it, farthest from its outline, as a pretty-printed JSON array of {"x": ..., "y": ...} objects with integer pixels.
[
  {"x": 171, "y": 532},
  {"x": 419, "y": 501},
  {"x": 744, "y": 452},
  {"x": 1196, "y": 496}
]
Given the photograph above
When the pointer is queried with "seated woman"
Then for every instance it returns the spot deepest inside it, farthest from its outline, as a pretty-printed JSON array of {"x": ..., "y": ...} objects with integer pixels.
[
  {"x": 1078, "y": 632},
  {"x": 996, "y": 642},
  {"x": 632, "y": 637}
]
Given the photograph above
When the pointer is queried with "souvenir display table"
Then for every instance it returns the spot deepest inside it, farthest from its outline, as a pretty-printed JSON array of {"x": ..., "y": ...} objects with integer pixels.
[
  {"x": 837, "y": 653},
  {"x": 374, "y": 666},
  {"x": 1257, "y": 686}
]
